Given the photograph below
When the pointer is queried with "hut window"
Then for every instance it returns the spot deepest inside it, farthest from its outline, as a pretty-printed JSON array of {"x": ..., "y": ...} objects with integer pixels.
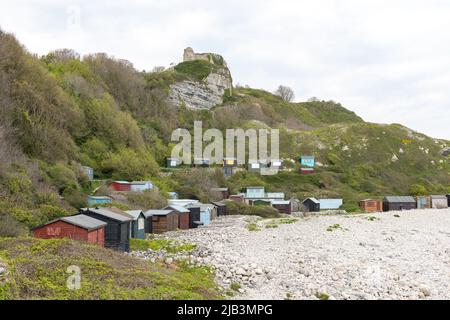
[
  {"x": 54, "y": 231},
  {"x": 141, "y": 223}
]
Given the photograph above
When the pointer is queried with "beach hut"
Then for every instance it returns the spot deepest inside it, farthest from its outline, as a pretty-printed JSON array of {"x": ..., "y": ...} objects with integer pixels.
[
  {"x": 307, "y": 170},
  {"x": 164, "y": 221},
  {"x": 448, "y": 200},
  {"x": 149, "y": 218},
  {"x": 183, "y": 216},
  {"x": 88, "y": 171},
  {"x": 275, "y": 164},
  {"x": 371, "y": 205},
  {"x": 330, "y": 204},
  {"x": 206, "y": 213},
  {"x": 120, "y": 186},
  {"x": 393, "y": 203},
  {"x": 79, "y": 227},
  {"x": 141, "y": 186},
  {"x": 236, "y": 198},
  {"x": 94, "y": 201},
  {"x": 202, "y": 162},
  {"x": 423, "y": 202},
  {"x": 311, "y": 205},
  {"x": 173, "y": 162},
  {"x": 439, "y": 202},
  {"x": 138, "y": 224},
  {"x": 308, "y": 161},
  {"x": 221, "y": 208},
  {"x": 194, "y": 215},
  {"x": 117, "y": 229},
  {"x": 283, "y": 206}
]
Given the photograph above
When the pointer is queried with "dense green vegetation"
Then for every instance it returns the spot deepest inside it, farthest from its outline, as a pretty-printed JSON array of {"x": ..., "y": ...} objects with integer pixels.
[
  {"x": 37, "y": 269},
  {"x": 61, "y": 111}
]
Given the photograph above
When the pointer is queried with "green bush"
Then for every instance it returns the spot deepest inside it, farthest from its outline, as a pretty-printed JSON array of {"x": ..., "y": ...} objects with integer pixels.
[
  {"x": 235, "y": 208},
  {"x": 418, "y": 190},
  {"x": 150, "y": 199},
  {"x": 198, "y": 69},
  {"x": 10, "y": 227}
]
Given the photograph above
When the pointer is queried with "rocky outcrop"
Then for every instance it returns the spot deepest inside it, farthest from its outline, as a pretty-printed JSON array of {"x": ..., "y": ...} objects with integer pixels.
[{"x": 207, "y": 93}]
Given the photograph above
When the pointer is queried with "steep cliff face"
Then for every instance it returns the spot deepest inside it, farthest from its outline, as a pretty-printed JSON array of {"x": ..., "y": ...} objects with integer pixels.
[{"x": 210, "y": 81}]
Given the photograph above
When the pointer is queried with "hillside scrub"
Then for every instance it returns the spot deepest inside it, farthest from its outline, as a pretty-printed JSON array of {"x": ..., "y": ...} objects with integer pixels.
[{"x": 38, "y": 270}]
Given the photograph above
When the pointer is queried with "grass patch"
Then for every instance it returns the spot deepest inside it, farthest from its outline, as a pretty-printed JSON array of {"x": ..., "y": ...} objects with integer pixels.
[
  {"x": 373, "y": 219},
  {"x": 235, "y": 286},
  {"x": 396, "y": 216},
  {"x": 336, "y": 227},
  {"x": 323, "y": 296},
  {"x": 38, "y": 270},
  {"x": 271, "y": 226},
  {"x": 168, "y": 245},
  {"x": 253, "y": 226}
]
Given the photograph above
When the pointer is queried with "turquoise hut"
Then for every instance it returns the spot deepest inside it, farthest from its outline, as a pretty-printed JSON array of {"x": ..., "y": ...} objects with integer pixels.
[
  {"x": 137, "y": 226},
  {"x": 94, "y": 201}
]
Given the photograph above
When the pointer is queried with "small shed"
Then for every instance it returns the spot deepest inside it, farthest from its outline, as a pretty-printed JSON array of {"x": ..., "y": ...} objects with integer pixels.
[
  {"x": 138, "y": 224},
  {"x": 183, "y": 216},
  {"x": 202, "y": 162},
  {"x": 228, "y": 171},
  {"x": 311, "y": 205},
  {"x": 275, "y": 164},
  {"x": 229, "y": 162},
  {"x": 331, "y": 204},
  {"x": 194, "y": 215},
  {"x": 308, "y": 161},
  {"x": 141, "y": 186},
  {"x": 236, "y": 198},
  {"x": 254, "y": 167},
  {"x": 149, "y": 218},
  {"x": 394, "y": 203},
  {"x": 79, "y": 227},
  {"x": 221, "y": 208},
  {"x": 88, "y": 171},
  {"x": 173, "y": 162},
  {"x": 173, "y": 195},
  {"x": 307, "y": 170},
  {"x": 94, "y": 201},
  {"x": 439, "y": 202},
  {"x": 206, "y": 214},
  {"x": 371, "y": 205},
  {"x": 283, "y": 206},
  {"x": 117, "y": 229},
  {"x": 423, "y": 202},
  {"x": 164, "y": 221},
  {"x": 255, "y": 192},
  {"x": 448, "y": 199},
  {"x": 120, "y": 186}
]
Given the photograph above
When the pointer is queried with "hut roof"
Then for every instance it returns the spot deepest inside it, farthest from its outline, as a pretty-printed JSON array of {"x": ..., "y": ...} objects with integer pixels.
[
  {"x": 80, "y": 220},
  {"x": 281, "y": 202},
  {"x": 399, "y": 199},
  {"x": 111, "y": 213},
  {"x": 436, "y": 197},
  {"x": 177, "y": 208},
  {"x": 134, "y": 213},
  {"x": 312, "y": 199},
  {"x": 150, "y": 213}
]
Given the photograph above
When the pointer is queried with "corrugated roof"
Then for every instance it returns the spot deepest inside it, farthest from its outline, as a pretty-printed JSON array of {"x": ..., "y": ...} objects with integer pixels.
[
  {"x": 150, "y": 213},
  {"x": 277, "y": 195},
  {"x": 312, "y": 199},
  {"x": 134, "y": 213},
  {"x": 112, "y": 213},
  {"x": 100, "y": 197},
  {"x": 219, "y": 203},
  {"x": 177, "y": 208},
  {"x": 206, "y": 206},
  {"x": 401, "y": 199},
  {"x": 280, "y": 202},
  {"x": 84, "y": 222},
  {"x": 441, "y": 197}
]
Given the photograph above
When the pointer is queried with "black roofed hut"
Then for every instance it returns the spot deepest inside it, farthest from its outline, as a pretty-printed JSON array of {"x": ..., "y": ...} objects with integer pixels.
[
  {"x": 117, "y": 229},
  {"x": 398, "y": 203},
  {"x": 311, "y": 205}
]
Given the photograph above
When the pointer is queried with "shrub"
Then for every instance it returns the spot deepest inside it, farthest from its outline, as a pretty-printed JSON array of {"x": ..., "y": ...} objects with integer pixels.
[
  {"x": 418, "y": 190},
  {"x": 146, "y": 200},
  {"x": 75, "y": 197},
  {"x": 10, "y": 227},
  {"x": 235, "y": 208},
  {"x": 197, "y": 69}
]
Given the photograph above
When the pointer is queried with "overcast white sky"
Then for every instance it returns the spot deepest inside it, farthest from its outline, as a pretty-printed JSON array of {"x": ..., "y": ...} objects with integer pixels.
[{"x": 389, "y": 61}]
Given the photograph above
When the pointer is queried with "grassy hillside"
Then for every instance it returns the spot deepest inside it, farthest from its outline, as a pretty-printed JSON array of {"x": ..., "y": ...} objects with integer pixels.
[
  {"x": 61, "y": 111},
  {"x": 37, "y": 270}
]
